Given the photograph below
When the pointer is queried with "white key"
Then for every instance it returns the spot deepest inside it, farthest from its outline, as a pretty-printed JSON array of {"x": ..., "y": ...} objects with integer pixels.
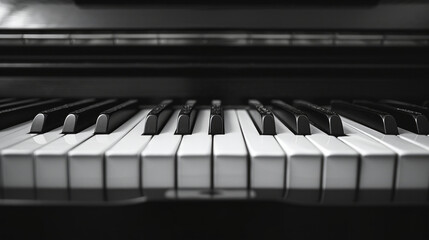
[
  {"x": 420, "y": 140},
  {"x": 123, "y": 159},
  {"x": 86, "y": 160},
  {"x": 412, "y": 172},
  {"x": 377, "y": 165},
  {"x": 304, "y": 160},
  {"x": 17, "y": 160},
  {"x": 230, "y": 155},
  {"x": 16, "y": 137},
  {"x": 267, "y": 167},
  {"x": 7, "y": 131},
  {"x": 340, "y": 163},
  {"x": 51, "y": 160},
  {"x": 12, "y": 138},
  {"x": 194, "y": 155},
  {"x": 158, "y": 158}
]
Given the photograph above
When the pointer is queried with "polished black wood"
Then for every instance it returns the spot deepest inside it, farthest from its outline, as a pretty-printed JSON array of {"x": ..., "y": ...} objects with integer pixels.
[
  {"x": 262, "y": 117},
  {"x": 157, "y": 117},
  {"x": 17, "y": 103},
  {"x": 186, "y": 118},
  {"x": 13, "y": 116},
  {"x": 328, "y": 121},
  {"x": 82, "y": 118},
  {"x": 32, "y": 14},
  {"x": 406, "y": 119},
  {"x": 372, "y": 118},
  {"x": 215, "y": 72},
  {"x": 216, "y": 124},
  {"x": 114, "y": 117},
  {"x": 409, "y": 106},
  {"x": 52, "y": 118},
  {"x": 292, "y": 117}
]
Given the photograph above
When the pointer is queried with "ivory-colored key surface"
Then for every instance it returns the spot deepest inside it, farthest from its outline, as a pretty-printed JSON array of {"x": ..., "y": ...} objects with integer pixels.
[
  {"x": 86, "y": 166},
  {"x": 340, "y": 166},
  {"x": 412, "y": 171},
  {"x": 123, "y": 159},
  {"x": 377, "y": 165},
  {"x": 159, "y": 156},
  {"x": 51, "y": 160},
  {"x": 230, "y": 161},
  {"x": 304, "y": 160},
  {"x": 267, "y": 167},
  {"x": 194, "y": 155},
  {"x": 18, "y": 166}
]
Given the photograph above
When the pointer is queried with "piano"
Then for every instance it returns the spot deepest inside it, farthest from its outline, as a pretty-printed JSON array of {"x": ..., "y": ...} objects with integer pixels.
[{"x": 213, "y": 120}]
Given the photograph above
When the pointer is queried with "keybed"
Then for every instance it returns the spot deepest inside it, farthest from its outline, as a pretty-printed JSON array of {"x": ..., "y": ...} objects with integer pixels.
[{"x": 302, "y": 151}]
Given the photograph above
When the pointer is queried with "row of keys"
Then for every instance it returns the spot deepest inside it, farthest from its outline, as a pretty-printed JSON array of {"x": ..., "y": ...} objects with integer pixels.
[
  {"x": 359, "y": 158},
  {"x": 108, "y": 115}
]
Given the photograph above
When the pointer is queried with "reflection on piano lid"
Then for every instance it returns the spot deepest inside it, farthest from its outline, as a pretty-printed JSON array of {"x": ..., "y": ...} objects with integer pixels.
[
  {"x": 325, "y": 3},
  {"x": 218, "y": 38}
]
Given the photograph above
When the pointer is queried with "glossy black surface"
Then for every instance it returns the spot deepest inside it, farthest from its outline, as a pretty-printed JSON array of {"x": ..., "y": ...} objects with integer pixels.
[
  {"x": 66, "y": 14},
  {"x": 262, "y": 117},
  {"x": 52, "y": 118},
  {"x": 157, "y": 117},
  {"x": 406, "y": 119},
  {"x": 17, "y": 103},
  {"x": 216, "y": 124},
  {"x": 114, "y": 117},
  {"x": 6, "y": 100},
  {"x": 234, "y": 73},
  {"x": 324, "y": 119},
  {"x": 186, "y": 118},
  {"x": 293, "y": 118},
  {"x": 378, "y": 120},
  {"x": 197, "y": 220},
  {"x": 119, "y": 3},
  {"x": 12, "y": 116},
  {"x": 129, "y": 196},
  {"x": 408, "y": 106},
  {"x": 82, "y": 118}
]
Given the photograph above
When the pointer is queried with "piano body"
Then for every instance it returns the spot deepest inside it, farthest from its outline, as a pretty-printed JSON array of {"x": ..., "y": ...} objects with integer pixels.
[{"x": 213, "y": 120}]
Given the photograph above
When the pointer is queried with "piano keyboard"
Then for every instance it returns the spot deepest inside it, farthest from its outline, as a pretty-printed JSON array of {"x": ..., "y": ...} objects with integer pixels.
[{"x": 351, "y": 151}]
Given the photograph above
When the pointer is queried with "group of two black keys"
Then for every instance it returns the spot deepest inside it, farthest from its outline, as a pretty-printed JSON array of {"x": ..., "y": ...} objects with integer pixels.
[
  {"x": 107, "y": 115},
  {"x": 384, "y": 116}
]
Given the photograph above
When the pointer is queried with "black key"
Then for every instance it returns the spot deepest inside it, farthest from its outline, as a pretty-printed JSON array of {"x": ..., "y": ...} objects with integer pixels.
[
  {"x": 408, "y": 106},
  {"x": 186, "y": 118},
  {"x": 157, "y": 117},
  {"x": 18, "y": 103},
  {"x": 13, "y": 116},
  {"x": 6, "y": 100},
  {"x": 377, "y": 120},
  {"x": 406, "y": 119},
  {"x": 114, "y": 117},
  {"x": 216, "y": 124},
  {"x": 262, "y": 117},
  {"x": 293, "y": 118},
  {"x": 52, "y": 118},
  {"x": 81, "y": 119},
  {"x": 324, "y": 119}
]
